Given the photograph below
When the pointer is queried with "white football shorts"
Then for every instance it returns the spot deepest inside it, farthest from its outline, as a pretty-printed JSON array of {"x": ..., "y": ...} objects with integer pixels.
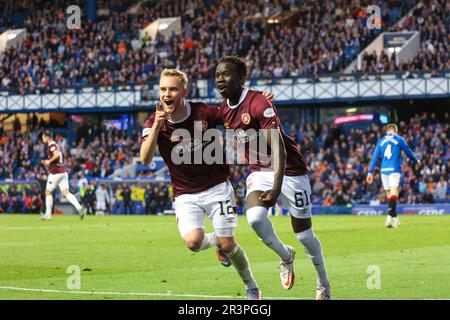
[
  {"x": 390, "y": 180},
  {"x": 60, "y": 180},
  {"x": 100, "y": 206},
  {"x": 295, "y": 192},
  {"x": 217, "y": 203}
]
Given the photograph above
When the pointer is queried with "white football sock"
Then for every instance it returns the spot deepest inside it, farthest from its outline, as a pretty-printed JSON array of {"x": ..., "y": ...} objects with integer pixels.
[
  {"x": 240, "y": 261},
  {"x": 48, "y": 205},
  {"x": 258, "y": 219},
  {"x": 314, "y": 250},
  {"x": 209, "y": 240},
  {"x": 73, "y": 200}
]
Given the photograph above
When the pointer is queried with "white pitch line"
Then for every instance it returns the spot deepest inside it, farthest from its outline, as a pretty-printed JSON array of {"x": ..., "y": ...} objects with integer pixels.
[{"x": 139, "y": 294}]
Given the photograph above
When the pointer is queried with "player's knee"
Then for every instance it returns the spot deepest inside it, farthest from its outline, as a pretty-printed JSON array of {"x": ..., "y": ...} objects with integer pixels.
[
  {"x": 256, "y": 216},
  {"x": 48, "y": 193},
  {"x": 307, "y": 238},
  {"x": 227, "y": 244},
  {"x": 305, "y": 235},
  {"x": 193, "y": 244}
]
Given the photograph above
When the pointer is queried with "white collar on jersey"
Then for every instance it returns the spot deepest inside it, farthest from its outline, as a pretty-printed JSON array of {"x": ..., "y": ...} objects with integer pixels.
[
  {"x": 188, "y": 113},
  {"x": 243, "y": 95}
]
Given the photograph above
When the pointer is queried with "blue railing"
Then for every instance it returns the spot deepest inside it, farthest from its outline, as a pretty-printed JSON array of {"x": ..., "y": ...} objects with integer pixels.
[{"x": 287, "y": 91}]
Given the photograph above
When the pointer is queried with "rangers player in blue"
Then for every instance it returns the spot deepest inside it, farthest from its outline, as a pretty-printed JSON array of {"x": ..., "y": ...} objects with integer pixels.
[{"x": 389, "y": 149}]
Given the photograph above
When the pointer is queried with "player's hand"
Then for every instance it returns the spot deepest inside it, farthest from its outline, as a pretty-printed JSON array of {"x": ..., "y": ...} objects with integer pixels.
[
  {"x": 369, "y": 178},
  {"x": 268, "y": 95},
  {"x": 160, "y": 116},
  {"x": 419, "y": 162},
  {"x": 270, "y": 197}
]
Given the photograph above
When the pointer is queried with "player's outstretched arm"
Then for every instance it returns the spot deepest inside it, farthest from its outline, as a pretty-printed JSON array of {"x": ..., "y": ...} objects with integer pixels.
[
  {"x": 374, "y": 161},
  {"x": 148, "y": 146},
  {"x": 276, "y": 144},
  {"x": 408, "y": 150}
]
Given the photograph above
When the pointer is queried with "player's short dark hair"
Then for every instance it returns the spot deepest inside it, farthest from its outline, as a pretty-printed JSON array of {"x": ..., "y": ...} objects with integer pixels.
[
  {"x": 47, "y": 133},
  {"x": 240, "y": 64}
]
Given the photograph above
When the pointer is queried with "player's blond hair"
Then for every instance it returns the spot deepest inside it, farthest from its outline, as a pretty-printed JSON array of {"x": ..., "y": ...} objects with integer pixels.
[
  {"x": 391, "y": 126},
  {"x": 176, "y": 73}
]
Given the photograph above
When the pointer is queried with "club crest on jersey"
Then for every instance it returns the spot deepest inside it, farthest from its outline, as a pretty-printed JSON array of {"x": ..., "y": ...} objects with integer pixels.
[
  {"x": 245, "y": 118},
  {"x": 201, "y": 125},
  {"x": 269, "y": 113}
]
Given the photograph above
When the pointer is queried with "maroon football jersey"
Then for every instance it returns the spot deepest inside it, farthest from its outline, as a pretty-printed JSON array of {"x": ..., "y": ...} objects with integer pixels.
[
  {"x": 58, "y": 165},
  {"x": 255, "y": 112},
  {"x": 191, "y": 177}
]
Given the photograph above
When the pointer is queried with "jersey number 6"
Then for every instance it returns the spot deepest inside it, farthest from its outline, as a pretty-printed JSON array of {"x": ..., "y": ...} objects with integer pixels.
[{"x": 301, "y": 198}]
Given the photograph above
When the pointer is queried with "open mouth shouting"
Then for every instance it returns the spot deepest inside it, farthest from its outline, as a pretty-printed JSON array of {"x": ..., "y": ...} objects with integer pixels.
[
  {"x": 221, "y": 88},
  {"x": 169, "y": 103}
]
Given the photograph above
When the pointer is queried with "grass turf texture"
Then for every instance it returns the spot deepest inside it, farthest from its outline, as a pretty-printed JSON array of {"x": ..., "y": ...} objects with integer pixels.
[{"x": 144, "y": 254}]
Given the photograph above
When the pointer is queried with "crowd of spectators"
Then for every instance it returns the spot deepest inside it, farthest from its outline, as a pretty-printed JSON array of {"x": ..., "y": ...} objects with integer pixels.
[
  {"x": 21, "y": 197},
  {"x": 431, "y": 19},
  {"x": 321, "y": 37},
  {"x": 338, "y": 158},
  {"x": 96, "y": 152},
  {"x": 339, "y": 162}
]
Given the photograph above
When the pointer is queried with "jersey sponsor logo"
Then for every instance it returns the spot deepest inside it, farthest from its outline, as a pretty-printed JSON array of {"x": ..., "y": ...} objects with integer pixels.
[
  {"x": 245, "y": 118},
  {"x": 243, "y": 136},
  {"x": 269, "y": 113},
  {"x": 188, "y": 145}
]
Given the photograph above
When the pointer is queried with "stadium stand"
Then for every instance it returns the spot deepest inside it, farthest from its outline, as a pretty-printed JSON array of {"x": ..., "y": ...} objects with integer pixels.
[
  {"x": 318, "y": 38},
  {"x": 338, "y": 159},
  {"x": 431, "y": 19},
  {"x": 315, "y": 39}
]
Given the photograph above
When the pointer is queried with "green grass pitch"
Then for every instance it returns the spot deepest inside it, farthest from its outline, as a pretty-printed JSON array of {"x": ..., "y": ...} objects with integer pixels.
[{"x": 143, "y": 257}]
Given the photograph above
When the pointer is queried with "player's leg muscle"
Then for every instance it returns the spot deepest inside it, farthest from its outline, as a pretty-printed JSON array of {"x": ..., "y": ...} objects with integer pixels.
[
  {"x": 253, "y": 199},
  {"x": 194, "y": 239},
  {"x": 259, "y": 221},
  {"x": 227, "y": 243},
  {"x": 313, "y": 248},
  {"x": 300, "y": 225}
]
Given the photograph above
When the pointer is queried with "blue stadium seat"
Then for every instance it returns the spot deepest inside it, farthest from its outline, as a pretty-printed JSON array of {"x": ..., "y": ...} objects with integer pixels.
[
  {"x": 138, "y": 208},
  {"x": 118, "y": 208}
]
